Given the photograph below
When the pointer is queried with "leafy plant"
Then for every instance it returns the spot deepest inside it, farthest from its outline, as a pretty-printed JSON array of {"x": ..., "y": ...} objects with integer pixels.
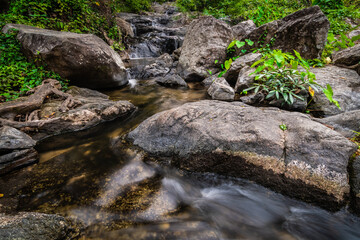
[
  {"x": 17, "y": 75},
  {"x": 283, "y": 127},
  {"x": 277, "y": 76}
]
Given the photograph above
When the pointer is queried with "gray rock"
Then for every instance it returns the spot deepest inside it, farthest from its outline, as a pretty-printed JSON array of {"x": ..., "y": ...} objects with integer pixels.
[
  {"x": 344, "y": 123},
  {"x": 172, "y": 81},
  {"x": 92, "y": 111},
  {"x": 84, "y": 59},
  {"x": 221, "y": 90},
  {"x": 125, "y": 27},
  {"x": 11, "y": 139},
  {"x": 33, "y": 226},
  {"x": 245, "y": 79},
  {"x": 242, "y": 29},
  {"x": 209, "y": 80},
  {"x": 17, "y": 159},
  {"x": 307, "y": 161},
  {"x": 348, "y": 58},
  {"x": 205, "y": 41},
  {"x": 252, "y": 98},
  {"x": 346, "y": 87},
  {"x": 159, "y": 68},
  {"x": 355, "y": 183},
  {"x": 354, "y": 33},
  {"x": 247, "y": 60},
  {"x": 304, "y": 31},
  {"x": 16, "y": 149}
]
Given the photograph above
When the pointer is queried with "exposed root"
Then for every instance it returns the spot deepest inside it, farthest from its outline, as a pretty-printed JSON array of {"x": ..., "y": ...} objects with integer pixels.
[{"x": 30, "y": 107}]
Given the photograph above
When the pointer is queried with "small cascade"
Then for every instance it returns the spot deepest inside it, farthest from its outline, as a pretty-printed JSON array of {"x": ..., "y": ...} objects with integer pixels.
[{"x": 154, "y": 34}]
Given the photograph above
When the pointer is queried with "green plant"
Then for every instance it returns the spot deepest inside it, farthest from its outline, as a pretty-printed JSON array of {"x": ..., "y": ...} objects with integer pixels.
[
  {"x": 283, "y": 127},
  {"x": 277, "y": 76},
  {"x": 17, "y": 75}
]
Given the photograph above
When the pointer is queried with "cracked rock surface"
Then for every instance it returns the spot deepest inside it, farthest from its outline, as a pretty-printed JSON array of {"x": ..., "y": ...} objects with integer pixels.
[{"x": 244, "y": 141}]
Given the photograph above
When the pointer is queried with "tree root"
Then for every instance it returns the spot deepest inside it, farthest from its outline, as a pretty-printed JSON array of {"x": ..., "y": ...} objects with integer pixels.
[{"x": 30, "y": 107}]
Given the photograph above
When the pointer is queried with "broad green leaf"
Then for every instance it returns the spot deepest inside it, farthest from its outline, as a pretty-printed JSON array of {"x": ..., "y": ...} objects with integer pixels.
[
  {"x": 240, "y": 44},
  {"x": 228, "y": 64}
]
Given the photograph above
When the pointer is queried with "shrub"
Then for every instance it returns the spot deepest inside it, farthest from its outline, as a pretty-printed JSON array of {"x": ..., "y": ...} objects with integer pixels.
[{"x": 17, "y": 75}]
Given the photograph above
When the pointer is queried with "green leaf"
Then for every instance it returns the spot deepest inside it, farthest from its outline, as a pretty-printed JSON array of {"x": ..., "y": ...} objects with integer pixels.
[
  {"x": 240, "y": 44},
  {"x": 228, "y": 64}
]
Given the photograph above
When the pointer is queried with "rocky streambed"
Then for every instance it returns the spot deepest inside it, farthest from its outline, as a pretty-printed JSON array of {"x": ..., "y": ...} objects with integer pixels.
[{"x": 162, "y": 157}]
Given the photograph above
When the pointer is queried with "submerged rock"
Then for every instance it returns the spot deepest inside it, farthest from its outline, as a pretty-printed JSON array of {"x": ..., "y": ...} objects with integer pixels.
[
  {"x": 221, "y": 90},
  {"x": 205, "y": 41},
  {"x": 304, "y": 31},
  {"x": 84, "y": 59},
  {"x": 346, "y": 87},
  {"x": 305, "y": 159},
  {"x": 16, "y": 149},
  {"x": 33, "y": 226}
]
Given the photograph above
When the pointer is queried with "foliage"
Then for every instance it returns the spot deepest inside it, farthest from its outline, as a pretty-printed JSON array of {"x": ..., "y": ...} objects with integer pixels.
[
  {"x": 283, "y": 127},
  {"x": 17, "y": 75},
  {"x": 277, "y": 76},
  {"x": 264, "y": 11},
  {"x": 337, "y": 43}
]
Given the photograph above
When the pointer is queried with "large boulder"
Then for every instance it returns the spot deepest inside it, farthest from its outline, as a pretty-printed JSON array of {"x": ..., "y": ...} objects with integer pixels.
[
  {"x": 16, "y": 149},
  {"x": 304, "y": 31},
  {"x": 205, "y": 41},
  {"x": 346, "y": 87},
  {"x": 84, "y": 59},
  {"x": 349, "y": 58},
  {"x": 34, "y": 226},
  {"x": 286, "y": 151}
]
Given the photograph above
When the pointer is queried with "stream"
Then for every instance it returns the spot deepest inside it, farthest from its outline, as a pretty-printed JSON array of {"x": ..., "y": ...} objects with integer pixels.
[{"x": 114, "y": 194}]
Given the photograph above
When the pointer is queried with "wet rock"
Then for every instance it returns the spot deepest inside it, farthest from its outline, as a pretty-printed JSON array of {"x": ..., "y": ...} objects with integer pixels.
[
  {"x": 172, "y": 81},
  {"x": 348, "y": 58},
  {"x": 11, "y": 138},
  {"x": 221, "y": 90},
  {"x": 344, "y": 123},
  {"x": 346, "y": 87},
  {"x": 304, "y": 31},
  {"x": 155, "y": 34},
  {"x": 33, "y": 226},
  {"x": 206, "y": 41},
  {"x": 245, "y": 79},
  {"x": 243, "y": 28},
  {"x": 355, "y": 186},
  {"x": 125, "y": 27},
  {"x": 49, "y": 111},
  {"x": 159, "y": 68},
  {"x": 84, "y": 59},
  {"x": 232, "y": 74},
  {"x": 307, "y": 160},
  {"x": 16, "y": 149},
  {"x": 91, "y": 111}
]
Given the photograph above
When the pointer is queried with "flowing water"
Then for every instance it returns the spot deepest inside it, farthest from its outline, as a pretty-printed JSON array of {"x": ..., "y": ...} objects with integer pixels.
[{"x": 108, "y": 188}]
